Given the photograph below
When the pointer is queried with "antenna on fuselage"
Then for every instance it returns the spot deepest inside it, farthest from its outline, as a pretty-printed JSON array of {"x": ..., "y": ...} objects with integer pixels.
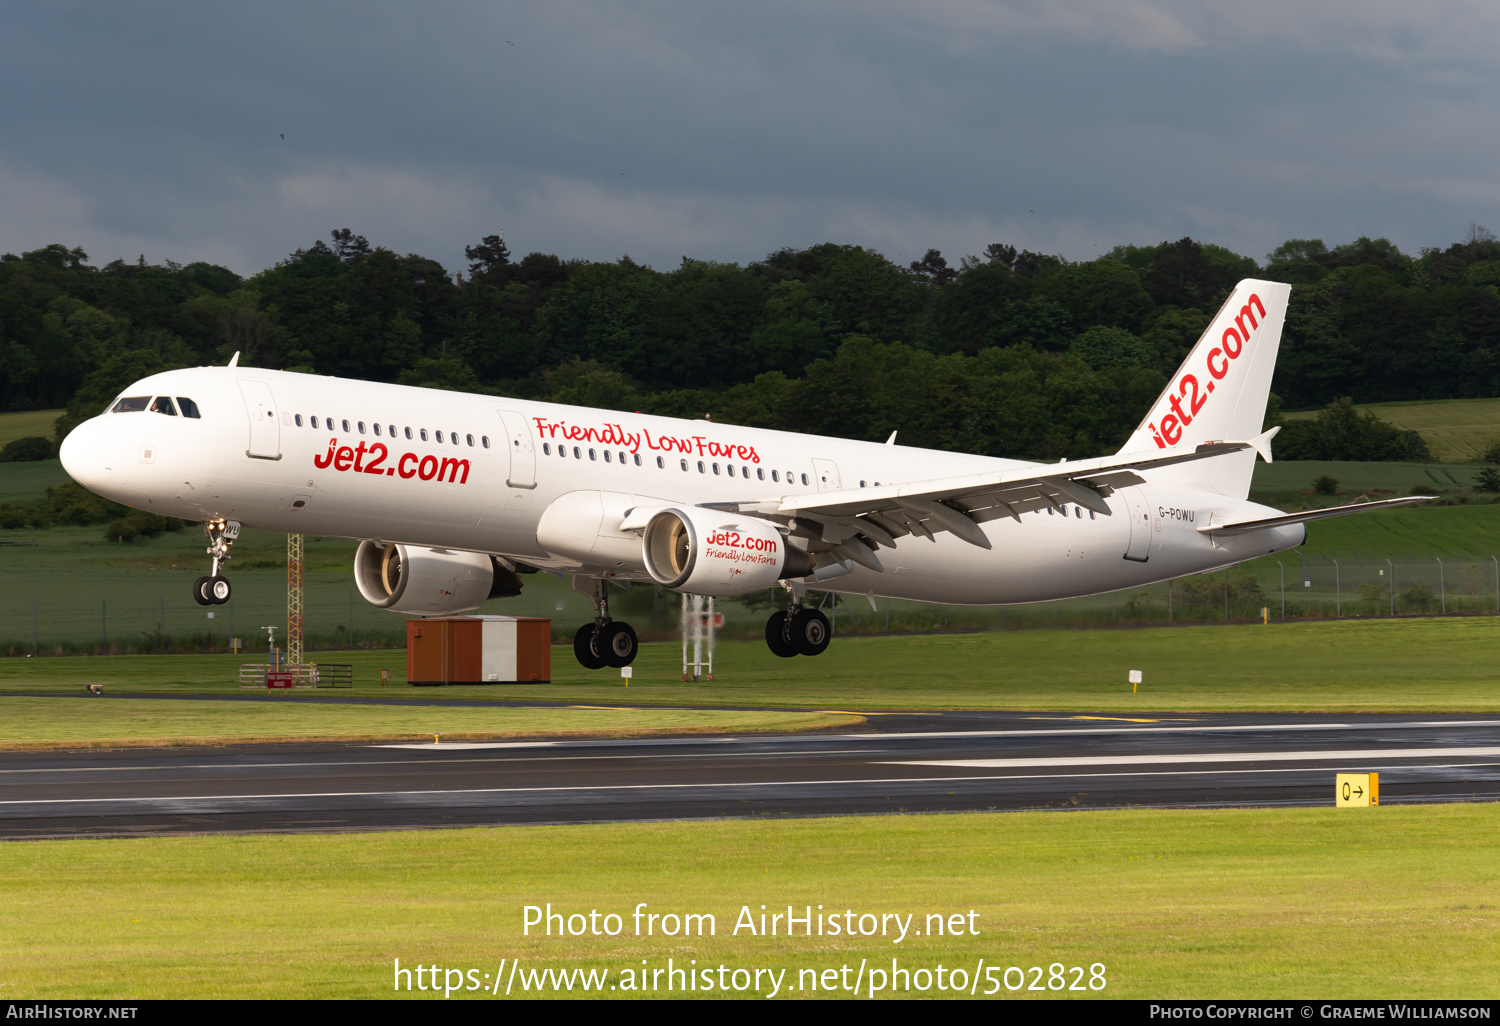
[{"x": 234, "y": 361}]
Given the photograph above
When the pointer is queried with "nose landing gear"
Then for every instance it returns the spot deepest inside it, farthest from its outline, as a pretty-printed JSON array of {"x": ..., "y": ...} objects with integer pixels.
[
  {"x": 604, "y": 642},
  {"x": 214, "y": 589}
]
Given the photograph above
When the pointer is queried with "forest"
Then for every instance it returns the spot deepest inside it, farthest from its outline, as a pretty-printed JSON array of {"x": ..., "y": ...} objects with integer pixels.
[{"x": 1006, "y": 353}]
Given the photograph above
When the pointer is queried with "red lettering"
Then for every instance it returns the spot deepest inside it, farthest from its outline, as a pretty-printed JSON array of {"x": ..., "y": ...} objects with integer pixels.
[
  {"x": 1247, "y": 314},
  {"x": 327, "y": 458},
  {"x": 401, "y": 467},
  {"x": 359, "y": 454},
  {"x": 1171, "y": 430},
  {"x": 450, "y": 466},
  {"x": 1156, "y": 437},
  {"x": 427, "y": 468},
  {"x": 1222, "y": 369},
  {"x": 1177, "y": 409},
  {"x": 1234, "y": 351},
  {"x": 343, "y": 458},
  {"x": 374, "y": 467},
  {"x": 1197, "y": 400}
]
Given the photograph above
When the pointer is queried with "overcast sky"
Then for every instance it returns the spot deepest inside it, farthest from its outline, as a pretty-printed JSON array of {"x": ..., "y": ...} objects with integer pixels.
[{"x": 724, "y": 132}]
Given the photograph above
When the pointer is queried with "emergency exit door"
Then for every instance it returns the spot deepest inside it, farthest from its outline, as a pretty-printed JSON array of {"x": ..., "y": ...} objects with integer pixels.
[{"x": 522, "y": 449}]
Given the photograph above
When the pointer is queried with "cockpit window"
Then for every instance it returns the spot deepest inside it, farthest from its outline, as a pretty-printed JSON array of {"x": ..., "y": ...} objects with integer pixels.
[
  {"x": 163, "y": 404},
  {"x": 188, "y": 407},
  {"x": 134, "y": 404}
]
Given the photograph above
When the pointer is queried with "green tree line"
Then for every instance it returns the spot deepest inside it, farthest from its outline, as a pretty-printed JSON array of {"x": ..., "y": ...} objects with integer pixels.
[{"x": 1006, "y": 353}]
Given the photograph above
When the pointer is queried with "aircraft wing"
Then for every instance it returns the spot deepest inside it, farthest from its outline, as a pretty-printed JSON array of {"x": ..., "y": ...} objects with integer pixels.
[
  {"x": 1302, "y": 516},
  {"x": 857, "y": 520}
]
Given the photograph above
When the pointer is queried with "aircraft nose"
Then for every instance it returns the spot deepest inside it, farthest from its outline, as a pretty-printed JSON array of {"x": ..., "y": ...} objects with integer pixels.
[{"x": 88, "y": 455}]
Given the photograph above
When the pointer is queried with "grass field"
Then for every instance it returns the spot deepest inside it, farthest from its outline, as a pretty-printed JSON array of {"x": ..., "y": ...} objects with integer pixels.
[
  {"x": 102, "y": 723},
  {"x": 1385, "y": 903},
  {"x": 1417, "y": 665},
  {"x": 28, "y": 424},
  {"x": 1455, "y": 430}
]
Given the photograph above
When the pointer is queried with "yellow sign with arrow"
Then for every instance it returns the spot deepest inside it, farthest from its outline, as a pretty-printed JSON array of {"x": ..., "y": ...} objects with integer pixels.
[{"x": 1356, "y": 790}]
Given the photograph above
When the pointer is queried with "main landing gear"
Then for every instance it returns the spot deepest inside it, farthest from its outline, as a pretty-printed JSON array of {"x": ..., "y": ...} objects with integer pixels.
[
  {"x": 799, "y": 630},
  {"x": 604, "y": 642},
  {"x": 214, "y": 590}
]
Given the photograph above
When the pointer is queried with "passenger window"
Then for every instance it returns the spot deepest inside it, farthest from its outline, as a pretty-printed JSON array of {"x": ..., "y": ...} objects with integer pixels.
[
  {"x": 637, "y": 457},
  {"x": 577, "y": 453},
  {"x": 486, "y": 440},
  {"x": 684, "y": 466},
  {"x": 661, "y": 464},
  {"x": 744, "y": 472},
  {"x": 164, "y": 405},
  {"x": 470, "y": 440},
  {"x": 592, "y": 455},
  {"x": 546, "y": 448},
  {"x": 346, "y": 426},
  {"x": 760, "y": 473},
  {"x": 298, "y": 419},
  {"x": 188, "y": 407},
  {"x": 608, "y": 458},
  {"x": 377, "y": 429},
  {"x": 775, "y": 476},
  {"x": 424, "y": 434},
  {"x": 408, "y": 432},
  {"x": 804, "y": 479},
  {"x": 700, "y": 466},
  {"x": 1049, "y": 511},
  {"x": 438, "y": 435},
  {"x": 314, "y": 421},
  {"x": 622, "y": 457},
  {"x": 716, "y": 470},
  {"x": 361, "y": 426},
  {"x": 861, "y": 484}
]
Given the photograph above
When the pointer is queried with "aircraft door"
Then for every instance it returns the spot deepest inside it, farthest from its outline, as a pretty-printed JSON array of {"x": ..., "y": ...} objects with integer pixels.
[
  {"x": 265, "y": 428},
  {"x": 522, "y": 449},
  {"x": 827, "y": 473},
  {"x": 1139, "y": 549}
]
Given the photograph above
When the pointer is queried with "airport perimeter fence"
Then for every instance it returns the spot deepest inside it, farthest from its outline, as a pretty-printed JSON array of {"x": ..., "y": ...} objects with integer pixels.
[{"x": 125, "y": 610}]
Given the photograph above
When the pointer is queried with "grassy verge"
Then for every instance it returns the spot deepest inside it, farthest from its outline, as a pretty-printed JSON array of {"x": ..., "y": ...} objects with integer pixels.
[
  {"x": 1394, "y": 902},
  {"x": 101, "y": 723},
  {"x": 1429, "y": 665}
]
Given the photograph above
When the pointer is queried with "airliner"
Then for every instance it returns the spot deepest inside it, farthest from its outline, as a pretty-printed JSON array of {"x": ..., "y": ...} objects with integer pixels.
[{"x": 454, "y": 498}]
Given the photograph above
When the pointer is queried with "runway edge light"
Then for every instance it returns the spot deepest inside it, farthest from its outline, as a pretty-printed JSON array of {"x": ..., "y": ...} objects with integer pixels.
[
  {"x": 1135, "y": 680},
  {"x": 1356, "y": 790}
]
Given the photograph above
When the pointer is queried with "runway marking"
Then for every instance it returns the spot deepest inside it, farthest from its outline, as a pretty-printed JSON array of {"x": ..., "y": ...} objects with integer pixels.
[
  {"x": 694, "y": 787},
  {"x": 918, "y": 735},
  {"x": 1350, "y": 755}
]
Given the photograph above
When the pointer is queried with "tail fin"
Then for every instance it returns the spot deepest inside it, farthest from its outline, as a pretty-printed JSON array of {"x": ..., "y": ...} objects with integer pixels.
[{"x": 1219, "y": 393}]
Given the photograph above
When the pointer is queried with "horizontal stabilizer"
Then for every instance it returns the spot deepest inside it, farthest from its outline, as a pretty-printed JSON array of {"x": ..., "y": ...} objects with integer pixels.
[{"x": 1303, "y": 516}]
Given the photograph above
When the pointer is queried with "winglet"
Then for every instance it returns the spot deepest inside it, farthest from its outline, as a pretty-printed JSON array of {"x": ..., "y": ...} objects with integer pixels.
[
  {"x": 892, "y": 440},
  {"x": 1262, "y": 443},
  {"x": 234, "y": 361}
]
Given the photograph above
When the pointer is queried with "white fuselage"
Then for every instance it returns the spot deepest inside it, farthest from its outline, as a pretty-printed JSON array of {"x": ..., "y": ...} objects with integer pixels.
[{"x": 254, "y": 456}]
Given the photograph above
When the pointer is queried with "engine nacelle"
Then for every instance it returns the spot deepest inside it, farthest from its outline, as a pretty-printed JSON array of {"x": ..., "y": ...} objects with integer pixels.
[
  {"x": 429, "y": 582},
  {"x": 706, "y": 552}
]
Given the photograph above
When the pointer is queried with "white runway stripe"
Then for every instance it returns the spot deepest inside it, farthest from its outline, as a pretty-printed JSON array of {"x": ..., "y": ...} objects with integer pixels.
[{"x": 1347, "y": 755}]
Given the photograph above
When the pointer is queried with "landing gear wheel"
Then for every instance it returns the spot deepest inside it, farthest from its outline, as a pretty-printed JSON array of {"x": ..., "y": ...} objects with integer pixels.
[
  {"x": 217, "y": 590},
  {"x": 583, "y": 647},
  {"x": 617, "y": 643},
  {"x": 200, "y": 591},
  {"x": 810, "y": 632},
  {"x": 776, "y": 636}
]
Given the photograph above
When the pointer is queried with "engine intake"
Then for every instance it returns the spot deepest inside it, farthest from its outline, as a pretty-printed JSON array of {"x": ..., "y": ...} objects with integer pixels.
[
  {"x": 706, "y": 552},
  {"x": 429, "y": 582}
]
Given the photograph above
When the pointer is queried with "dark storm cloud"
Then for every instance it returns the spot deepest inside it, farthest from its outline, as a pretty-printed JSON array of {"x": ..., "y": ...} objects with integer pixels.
[{"x": 722, "y": 133}]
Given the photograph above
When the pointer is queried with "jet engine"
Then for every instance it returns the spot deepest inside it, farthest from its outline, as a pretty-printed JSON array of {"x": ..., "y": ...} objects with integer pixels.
[
  {"x": 429, "y": 582},
  {"x": 706, "y": 552}
]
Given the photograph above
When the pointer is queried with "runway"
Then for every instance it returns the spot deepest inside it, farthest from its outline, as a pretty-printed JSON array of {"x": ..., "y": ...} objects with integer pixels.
[{"x": 928, "y": 762}]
